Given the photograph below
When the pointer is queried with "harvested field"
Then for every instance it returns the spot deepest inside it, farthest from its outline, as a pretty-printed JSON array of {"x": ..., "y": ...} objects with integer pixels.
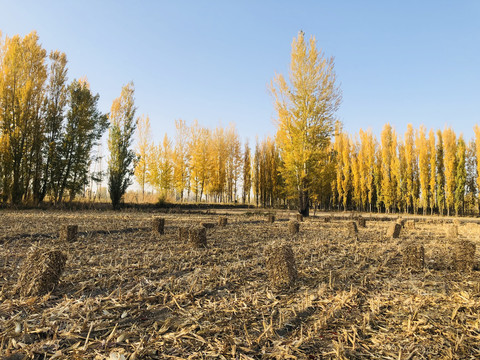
[{"x": 125, "y": 294}]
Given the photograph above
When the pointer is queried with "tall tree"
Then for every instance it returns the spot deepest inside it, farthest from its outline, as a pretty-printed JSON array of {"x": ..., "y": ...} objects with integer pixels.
[
  {"x": 450, "y": 161},
  {"x": 460, "y": 176},
  {"x": 247, "y": 173},
  {"x": 55, "y": 103},
  {"x": 440, "y": 174},
  {"x": 433, "y": 170},
  {"x": 390, "y": 166},
  {"x": 120, "y": 137},
  {"x": 305, "y": 115},
  {"x": 142, "y": 147},
  {"x": 84, "y": 127},
  {"x": 181, "y": 158},
  {"x": 424, "y": 167}
]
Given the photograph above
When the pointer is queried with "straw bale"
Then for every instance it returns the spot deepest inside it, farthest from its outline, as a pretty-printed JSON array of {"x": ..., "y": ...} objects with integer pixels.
[
  {"x": 183, "y": 233},
  {"x": 299, "y": 217},
  {"x": 361, "y": 222},
  {"x": 222, "y": 221},
  {"x": 352, "y": 229},
  {"x": 197, "y": 236},
  {"x": 40, "y": 272},
  {"x": 293, "y": 227},
  {"x": 464, "y": 253},
  {"x": 281, "y": 267},
  {"x": 410, "y": 224},
  {"x": 208, "y": 225},
  {"x": 271, "y": 218},
  {"x": 414, "y": 256},
  {"x": 69, "y": 233},
  {"x": 394, "y": 230},
  {"x": 159, "y": 225},
  {"x": 452, "y": 232}
]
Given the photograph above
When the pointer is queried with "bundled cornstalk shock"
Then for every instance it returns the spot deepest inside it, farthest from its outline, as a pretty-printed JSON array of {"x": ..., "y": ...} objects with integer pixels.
[
  {"x": 464, "y": 253},
  {"x": 410, "y": 224},
  {"x": 352, "y": 229},
  {"x": 158, "y": 225},
  {"x": 40, "y": 272},
  {"x": 299, "y": 217},
  {"x": 281, "y": 266},
  {"x": 222, "y": 221},
  {"x": 197, "y": 236},
  {"x": 271, "y": 218},
  {"x": 293, "y": 227},
  {"x": 69, "y": 233},
  {"x": 414, "y": 256},
  {"x": 452, "y": 232},
  {"x": 361, "y": 222},
  {"x": 183, "y": 233},
  {"x": 394, "y": 230}
]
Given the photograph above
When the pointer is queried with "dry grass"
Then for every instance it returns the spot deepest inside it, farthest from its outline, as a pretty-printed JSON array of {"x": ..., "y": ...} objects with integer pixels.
[{"x": 123, "y": 293}]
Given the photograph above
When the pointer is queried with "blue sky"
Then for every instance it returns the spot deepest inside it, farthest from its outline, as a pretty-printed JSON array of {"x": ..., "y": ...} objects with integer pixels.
[{"x": 396, "y": 61}]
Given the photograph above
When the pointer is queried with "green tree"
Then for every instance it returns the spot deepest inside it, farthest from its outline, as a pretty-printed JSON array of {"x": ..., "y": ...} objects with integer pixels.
[
  {"x": 120, "y": 137},
  {"x": 84, "y": 127},
  {"x": 305, "y": 116}
]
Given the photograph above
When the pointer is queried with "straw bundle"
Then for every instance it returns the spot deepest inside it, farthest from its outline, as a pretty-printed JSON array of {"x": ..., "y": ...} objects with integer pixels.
[
  {"x": 361, "y": 222},
  {"x": 40, "y": 272},
  {"x": 293, "y": 227},
  {"x": 197, "y": 236},
  {"x": 69, "y": 233},
  {"x": 222, "y": 221},
  {"x": 394, "y": 230},
  {"x": 183, "y": 233},
  {"x": 159, "y": 225},
  {"x": 281, "y": 267},
  {"x": 464, "y": 252}
]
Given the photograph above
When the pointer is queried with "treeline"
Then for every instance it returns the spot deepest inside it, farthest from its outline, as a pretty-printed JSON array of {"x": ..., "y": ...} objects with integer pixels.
[
  {"x": 434, "y": 172},
  {"x": 419, "y": 172}
]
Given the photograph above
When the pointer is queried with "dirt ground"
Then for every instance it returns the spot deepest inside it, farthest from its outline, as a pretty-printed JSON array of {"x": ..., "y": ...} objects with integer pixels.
[{"x": 127, "y": 293}]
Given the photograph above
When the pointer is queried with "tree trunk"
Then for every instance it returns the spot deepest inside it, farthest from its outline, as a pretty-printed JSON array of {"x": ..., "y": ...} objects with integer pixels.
[{"x": 303, "y": 206}]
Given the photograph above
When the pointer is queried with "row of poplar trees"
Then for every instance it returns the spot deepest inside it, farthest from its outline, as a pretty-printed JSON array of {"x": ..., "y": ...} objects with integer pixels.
[
  {"x": 419, "y": 172},
  {"x": 50, "y": 126}
]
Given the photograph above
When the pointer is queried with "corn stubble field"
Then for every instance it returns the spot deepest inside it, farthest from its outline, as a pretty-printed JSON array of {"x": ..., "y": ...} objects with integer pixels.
[{"x": 128, "y": 293}]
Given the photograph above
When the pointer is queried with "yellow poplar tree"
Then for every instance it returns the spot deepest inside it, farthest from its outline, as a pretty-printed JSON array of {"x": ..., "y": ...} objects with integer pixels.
[
  {"x": 433, "y": 170},
  {"x": 424, "y": 166},
  {"x": 181, "y": 158},
  {"x": 142, "y": 147},
  {"x": 390, "y": 168},
  {"x": 305, "y": 108},
  {"x": 450, "y": 163}
]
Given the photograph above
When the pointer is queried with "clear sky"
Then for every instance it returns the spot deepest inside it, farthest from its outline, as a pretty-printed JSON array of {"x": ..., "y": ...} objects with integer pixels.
[{"x": 397, "y": 61}]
